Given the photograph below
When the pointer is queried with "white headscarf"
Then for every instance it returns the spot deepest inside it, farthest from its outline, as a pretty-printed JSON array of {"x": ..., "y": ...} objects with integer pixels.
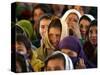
[
  {"x": 90, "y": 16},
  {"x": 68, "y": 63},
  {"x": 64, "y": 24}
]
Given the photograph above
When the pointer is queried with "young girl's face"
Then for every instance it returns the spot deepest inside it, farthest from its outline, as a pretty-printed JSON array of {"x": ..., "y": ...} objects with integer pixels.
[
  {"x": 36, "y": 14},
  {"x": 55, "y": 64},
  {"x": 71, "y": 20},
  {"x": 54, "y": 36},
  {"x": 43, "y": 27},
  {"x": 84, "y": 24},
  {"x": 20, "y": 48},
  {"x": 93, "y": 35}
]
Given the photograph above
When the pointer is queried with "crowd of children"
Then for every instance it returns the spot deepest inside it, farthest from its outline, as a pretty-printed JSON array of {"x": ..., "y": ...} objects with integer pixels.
[{"x": 52, "y": 37}]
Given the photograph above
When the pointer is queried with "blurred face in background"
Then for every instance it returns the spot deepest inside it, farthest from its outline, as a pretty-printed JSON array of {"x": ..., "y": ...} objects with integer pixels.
[
  {"x": 36, "y": 14},
  {"x": 84, "y": 24},
  {"x": 43, "y": 26},
  {"x": 80, "y": 9},
  {"x": 58, "y": 9},
  {"x": 54, "y": 36},
  {"x": 93, "y": 35}
]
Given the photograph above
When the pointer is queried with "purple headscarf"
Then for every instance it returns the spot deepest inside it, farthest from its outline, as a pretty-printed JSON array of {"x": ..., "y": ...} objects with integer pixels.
[{"x": 73, "y": 44}]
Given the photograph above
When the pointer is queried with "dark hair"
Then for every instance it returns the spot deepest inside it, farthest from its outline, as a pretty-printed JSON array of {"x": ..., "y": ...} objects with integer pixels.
[
  {"x": 55, "y": 56},
  {"x": 45, "y": 16},
  {"x": 55, "y": 23},
  {"x": 93, "y": 23},
  {"x": 85, "y": 18},
  {"x": 27, "y": 43},
  {"x": 25, "y": 40},
  {"x": 21, "y": 60},
  {"x": 89, "y": 49}
]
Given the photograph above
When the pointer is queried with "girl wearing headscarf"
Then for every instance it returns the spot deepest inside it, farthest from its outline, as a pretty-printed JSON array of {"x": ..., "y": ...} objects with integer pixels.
[
  {"x": 46, "y": 46},
  {"x": 52, "y": 38},
  {"x": 26, "y": 26},
  {"x": 90, "y": 45},
  {"x": 58, "y": 61},
  {"x": 70, "y": 21},
  {"x": 84, "y": 23},
  {"x": 73, "y": 48}
]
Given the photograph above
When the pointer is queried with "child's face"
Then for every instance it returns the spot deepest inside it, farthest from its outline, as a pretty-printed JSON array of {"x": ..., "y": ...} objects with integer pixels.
[
  {"x": 55, "y": 64},
  {"x": 20, "y": 48},
  {"x": 54, "y": 36},
  {"x": 37, "y": 13},
  {"x": 43, "y": 26},
  {"x": 84, "y": 24},
  {"x": 72, "y": 20},
  {"x": 93, "y": 35}
]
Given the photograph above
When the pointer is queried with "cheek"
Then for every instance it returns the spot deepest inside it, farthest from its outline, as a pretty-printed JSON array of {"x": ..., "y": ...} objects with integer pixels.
[
  {"x": 83, "y": 31},
  {"x": 42, "y": 32},
  {"x": 51, "y": 39},
  {"x": 35, "y": 17},
  {"x": 93, "y": 39}
]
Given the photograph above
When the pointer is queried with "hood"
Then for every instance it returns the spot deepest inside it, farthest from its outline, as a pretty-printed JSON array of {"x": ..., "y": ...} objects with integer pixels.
[
  {"x": 63, "y": 20},
  {"x": 68, "y": 62},
  {"x": 64, "y": 33},
  {"x": 73, "y": 44},
  {"x": 90, "y": 16},
  {"x": 47, "y": 43},
  {"x": 27, "y": 27}
]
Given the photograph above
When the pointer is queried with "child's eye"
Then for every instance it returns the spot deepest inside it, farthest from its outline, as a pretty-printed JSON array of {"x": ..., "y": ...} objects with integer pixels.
[
  {"x": 81, "y": 26},
  {"x": 91, "y": 31}
]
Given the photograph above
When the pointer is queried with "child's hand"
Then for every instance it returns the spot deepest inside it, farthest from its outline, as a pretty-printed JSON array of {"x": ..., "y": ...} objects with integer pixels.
[{"x": 80, "y": 64}]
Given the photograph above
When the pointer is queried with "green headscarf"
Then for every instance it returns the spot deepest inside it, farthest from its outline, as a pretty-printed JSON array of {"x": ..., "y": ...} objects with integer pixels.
[{"x": 27, "y": 27}]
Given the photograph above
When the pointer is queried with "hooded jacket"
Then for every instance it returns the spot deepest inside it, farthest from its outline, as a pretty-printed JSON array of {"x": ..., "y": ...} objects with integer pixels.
[{"x": 63, "y": 20}]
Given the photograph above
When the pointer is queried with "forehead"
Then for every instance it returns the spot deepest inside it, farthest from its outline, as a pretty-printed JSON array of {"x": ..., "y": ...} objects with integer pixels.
[
  {"x": 73, "y": 15},
  {"x": 84, "y": 21},
  {"x": 38, "y": 10},
  {"x": 56, "y": 62},
  {"x": 54, "y": 30},
  {"x": 93, "y": 28},
  {"x": 44, "y": 20}
]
